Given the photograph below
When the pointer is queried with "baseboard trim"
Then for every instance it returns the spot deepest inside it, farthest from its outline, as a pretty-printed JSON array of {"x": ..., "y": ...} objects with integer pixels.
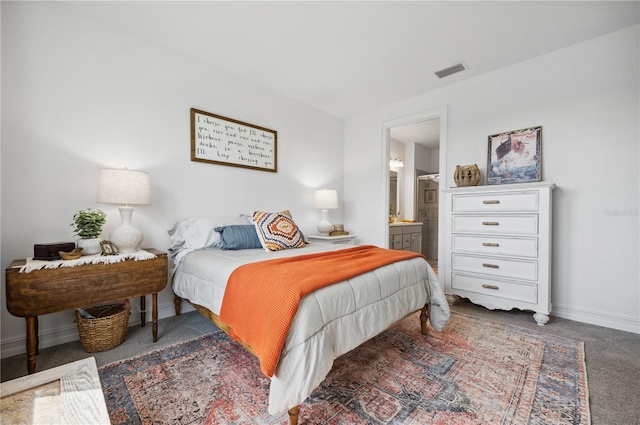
[
  {"x": 62, "y": 335},
  {"x": 598, "y": 318}
]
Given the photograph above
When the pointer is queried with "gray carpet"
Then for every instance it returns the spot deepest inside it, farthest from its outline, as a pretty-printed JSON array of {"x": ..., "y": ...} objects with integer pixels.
[{"x": 612, "y": 357}]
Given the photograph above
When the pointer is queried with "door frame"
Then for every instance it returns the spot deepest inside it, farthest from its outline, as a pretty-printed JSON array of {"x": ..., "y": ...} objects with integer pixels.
[{"x": 429, "y": 114}]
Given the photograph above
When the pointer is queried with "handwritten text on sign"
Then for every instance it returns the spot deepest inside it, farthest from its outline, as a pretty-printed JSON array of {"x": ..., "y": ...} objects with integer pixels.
[{"x": 221, "y": 140}]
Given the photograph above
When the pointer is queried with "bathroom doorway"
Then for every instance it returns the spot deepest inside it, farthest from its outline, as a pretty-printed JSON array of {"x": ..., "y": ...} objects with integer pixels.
[{"x": 432, "y": 159}]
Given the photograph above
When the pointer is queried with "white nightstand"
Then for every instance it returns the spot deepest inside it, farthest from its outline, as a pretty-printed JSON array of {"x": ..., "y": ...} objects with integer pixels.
[{"x": 334, "y": 240}]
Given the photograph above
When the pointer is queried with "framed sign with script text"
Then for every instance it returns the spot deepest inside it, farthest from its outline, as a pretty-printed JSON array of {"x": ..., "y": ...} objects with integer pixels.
[{"x": 225, "y": 141}]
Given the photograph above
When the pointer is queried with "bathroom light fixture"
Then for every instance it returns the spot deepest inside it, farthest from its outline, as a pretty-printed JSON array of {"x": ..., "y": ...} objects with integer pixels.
[
  {"x": 325, "y": 200},
  {"x": 124, "y": 187},
  {"x": 396, "y": 162}
]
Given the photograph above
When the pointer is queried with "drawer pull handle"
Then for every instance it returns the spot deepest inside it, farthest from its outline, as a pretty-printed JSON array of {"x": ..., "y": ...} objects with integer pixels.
[
  {"x": 490, "y": 244},
  {"x": 490, "y": 223},
  {"x": 484, "y": 285},
  {"x": 491, "y": 266},
  {"x": 491, "y": 201}
]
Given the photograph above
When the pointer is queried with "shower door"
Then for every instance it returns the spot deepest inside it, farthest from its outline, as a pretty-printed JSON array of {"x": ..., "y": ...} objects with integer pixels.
[{"x": 427, "y": 193}]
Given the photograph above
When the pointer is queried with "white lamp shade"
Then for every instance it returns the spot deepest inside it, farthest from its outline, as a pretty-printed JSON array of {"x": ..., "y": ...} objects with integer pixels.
[
  {"x": 124, "y": 187},
  {"x": 325, "y": 199}
]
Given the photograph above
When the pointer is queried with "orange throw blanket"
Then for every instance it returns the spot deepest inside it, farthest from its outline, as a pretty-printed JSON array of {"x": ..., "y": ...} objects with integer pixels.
[{"x": 262, "y": 298}]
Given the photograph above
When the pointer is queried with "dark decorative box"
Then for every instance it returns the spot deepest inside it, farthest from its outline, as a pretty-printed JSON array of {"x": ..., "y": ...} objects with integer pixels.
[{"x": 50, "y": 251}]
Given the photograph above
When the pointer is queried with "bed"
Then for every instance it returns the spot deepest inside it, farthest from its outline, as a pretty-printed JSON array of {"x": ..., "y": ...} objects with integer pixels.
[{"x": 328, "y": 322}]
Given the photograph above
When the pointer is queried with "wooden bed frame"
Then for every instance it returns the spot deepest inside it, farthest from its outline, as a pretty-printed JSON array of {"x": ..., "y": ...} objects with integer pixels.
[{"x": 294, "y": 411}]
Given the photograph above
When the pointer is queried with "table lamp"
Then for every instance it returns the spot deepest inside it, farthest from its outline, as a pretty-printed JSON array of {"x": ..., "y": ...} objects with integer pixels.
[
  {"x": 325, "y": 200},
  {"x": 124, "y": 187}
]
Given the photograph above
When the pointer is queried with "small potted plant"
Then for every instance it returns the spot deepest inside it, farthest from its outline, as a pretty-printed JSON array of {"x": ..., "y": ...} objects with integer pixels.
[{"x": 87, "y": 224}]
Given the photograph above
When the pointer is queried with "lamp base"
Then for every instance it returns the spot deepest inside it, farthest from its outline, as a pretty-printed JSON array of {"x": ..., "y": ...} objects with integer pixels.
[
  {"x": 126, "y": 238},
  {"x": 324, "y": 227}
]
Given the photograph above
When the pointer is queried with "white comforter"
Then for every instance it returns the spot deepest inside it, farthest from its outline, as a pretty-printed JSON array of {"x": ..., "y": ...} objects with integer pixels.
[{"x": 330, "y": 321}]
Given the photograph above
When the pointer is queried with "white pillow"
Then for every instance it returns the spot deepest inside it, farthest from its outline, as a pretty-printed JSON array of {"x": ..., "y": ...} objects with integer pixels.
[{"x": 197, "y": 233}]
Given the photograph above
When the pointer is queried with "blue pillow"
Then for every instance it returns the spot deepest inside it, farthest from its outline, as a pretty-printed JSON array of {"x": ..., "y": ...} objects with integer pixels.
[{"x": 238, "y": 237}]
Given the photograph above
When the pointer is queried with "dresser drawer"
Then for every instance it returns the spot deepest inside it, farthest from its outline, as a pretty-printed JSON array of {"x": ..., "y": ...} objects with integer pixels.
[
  {"x": 513, "y": 224},
  {"x": 526, "y": 200},
  {"x": 495, "y": 287},
  {"x": 501, "y": 267},
  {"x": 497, "y": 245}
]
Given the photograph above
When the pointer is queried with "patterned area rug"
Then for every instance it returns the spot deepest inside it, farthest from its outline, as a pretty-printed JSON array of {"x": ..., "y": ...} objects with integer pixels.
[{"x": 474, "y": 372}]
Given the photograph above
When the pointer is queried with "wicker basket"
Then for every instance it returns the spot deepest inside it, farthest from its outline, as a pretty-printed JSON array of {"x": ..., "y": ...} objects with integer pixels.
[{"x": 107, "y": 330}]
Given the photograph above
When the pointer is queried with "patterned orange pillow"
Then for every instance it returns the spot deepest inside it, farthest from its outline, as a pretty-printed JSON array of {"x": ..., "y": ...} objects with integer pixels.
[{"x": 277, "y": 231}]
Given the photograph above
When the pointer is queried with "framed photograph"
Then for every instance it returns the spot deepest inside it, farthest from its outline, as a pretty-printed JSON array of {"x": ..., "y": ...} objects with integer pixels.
[
  {"x": 514, "y": 156},
  {"x": 219, "y": 140},
  {"x": 108, "y": 248},
  {"x": 429, "y": 196}
]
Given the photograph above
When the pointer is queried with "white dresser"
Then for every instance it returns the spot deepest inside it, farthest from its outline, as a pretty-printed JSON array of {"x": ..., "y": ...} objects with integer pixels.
[{"x": 498, "y": 246}]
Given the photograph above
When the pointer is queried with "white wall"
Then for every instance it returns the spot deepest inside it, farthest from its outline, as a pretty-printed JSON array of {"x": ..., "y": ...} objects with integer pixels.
[
  {"x": 424, "y": 158},
  {"x": 78, "y": 96},
  {"x": 585, "y": 97}
]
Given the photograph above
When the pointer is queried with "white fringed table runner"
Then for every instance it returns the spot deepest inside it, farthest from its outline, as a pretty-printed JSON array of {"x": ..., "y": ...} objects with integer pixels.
[{"x": 32, "y": 264}]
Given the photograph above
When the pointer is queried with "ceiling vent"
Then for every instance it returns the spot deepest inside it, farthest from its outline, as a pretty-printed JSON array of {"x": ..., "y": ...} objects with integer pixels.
[{"x": 459, "y": 67}]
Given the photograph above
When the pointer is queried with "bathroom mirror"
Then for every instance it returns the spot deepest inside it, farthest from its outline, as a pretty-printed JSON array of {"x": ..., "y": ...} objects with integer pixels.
[{"x": 393, "y": 192}]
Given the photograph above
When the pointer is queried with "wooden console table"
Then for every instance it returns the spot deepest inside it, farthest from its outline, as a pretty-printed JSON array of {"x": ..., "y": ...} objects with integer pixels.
[{"x": 51, "y": 290}]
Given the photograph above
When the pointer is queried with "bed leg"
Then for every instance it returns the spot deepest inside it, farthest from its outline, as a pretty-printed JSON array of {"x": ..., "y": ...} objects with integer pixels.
[
  {"x": 293, "y": 415},
  {"x": 423, "y": 320},
  {"x": 177, "y": 302}
]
